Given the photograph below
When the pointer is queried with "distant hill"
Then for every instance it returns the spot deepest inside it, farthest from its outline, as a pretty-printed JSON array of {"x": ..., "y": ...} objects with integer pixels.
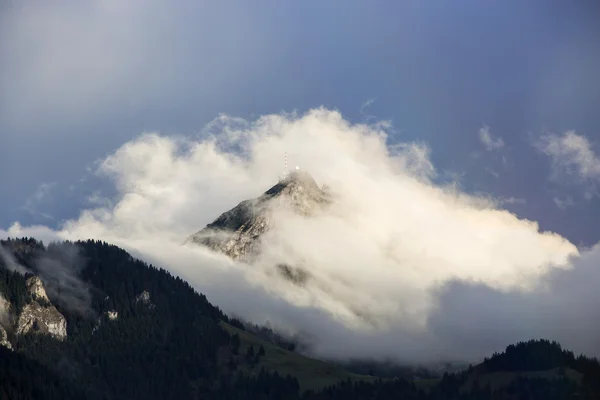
[
  {"x": 132, "y": 331},
  {"x": 534, "y": 359}
]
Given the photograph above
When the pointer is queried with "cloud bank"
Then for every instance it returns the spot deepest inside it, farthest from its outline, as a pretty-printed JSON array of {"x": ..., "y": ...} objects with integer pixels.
[{"x": 401, "y": 266}]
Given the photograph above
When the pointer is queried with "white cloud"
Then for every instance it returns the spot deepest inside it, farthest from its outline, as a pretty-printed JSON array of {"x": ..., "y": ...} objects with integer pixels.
[
  {"x": 572, "y": 154},
  {"x": 414, "y": 158},
  {"x": 39, "y": 232},
  {"x": 564, "y": 203},
  {"x": 489, "y": 142},
  {"x": 377, "y": 261}
]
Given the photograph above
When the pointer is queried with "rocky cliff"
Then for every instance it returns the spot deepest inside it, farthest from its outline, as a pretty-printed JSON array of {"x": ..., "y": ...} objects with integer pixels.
[
  {"x": 237, "y": 232},
  {"x": 36, "y": 318},
  {"x": 36, "y": 290},
  {"x": 4, "y": 338},
  {"x": 5, "y": 308},
  {"x": 38, "y": 315}
]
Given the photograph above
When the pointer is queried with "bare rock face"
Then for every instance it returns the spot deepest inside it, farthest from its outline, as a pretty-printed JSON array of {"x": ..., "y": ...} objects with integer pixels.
[
  {"x": 35, "y": 318},
  {"x": 40, "y": 316},
  {"x": 35, "y": 288},
  {"x": 143, "y": 297},
  {"x": 237, "y": 232},
  {"x": 112, "y": 315},
  {"x": 5, "y": 306},
  {"x": 4, "y": 338}
]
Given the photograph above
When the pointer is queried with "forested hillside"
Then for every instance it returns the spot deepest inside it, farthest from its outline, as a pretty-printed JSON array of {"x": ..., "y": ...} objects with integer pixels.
[{"x": 137, "y": 332}]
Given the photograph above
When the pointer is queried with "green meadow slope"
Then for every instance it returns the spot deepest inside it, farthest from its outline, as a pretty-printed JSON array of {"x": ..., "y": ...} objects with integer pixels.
[
  {"x": 311, "y": 373},
  {"x": 316, "y": 374}
]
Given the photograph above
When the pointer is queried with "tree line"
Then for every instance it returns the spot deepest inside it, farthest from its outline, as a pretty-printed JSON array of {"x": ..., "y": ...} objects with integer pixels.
[{"x": 173, "y": 346}]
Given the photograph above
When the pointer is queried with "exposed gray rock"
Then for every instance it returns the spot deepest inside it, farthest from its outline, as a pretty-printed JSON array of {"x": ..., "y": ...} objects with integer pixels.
[
  {"x": 112, "y": 315},
  {"x": 5, "y": 307},
  {"x": 4, "y": 338},
  {"x": 36, "y": 290},
  {"x": 237, "y": 232},
  {"x": 35, "y": 318},
  {"x": 143, "y": 297},
  {"x": 5, "y": 320},
  {"x": 40, "y": 316}
]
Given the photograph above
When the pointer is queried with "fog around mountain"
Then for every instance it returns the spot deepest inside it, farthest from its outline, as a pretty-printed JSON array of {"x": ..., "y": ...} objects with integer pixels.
[{"x": 403, "y": 265}]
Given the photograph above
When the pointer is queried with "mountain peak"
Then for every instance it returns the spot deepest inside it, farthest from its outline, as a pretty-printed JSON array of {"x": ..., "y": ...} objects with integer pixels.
[
  {"x": 237, "y": 232},
  {"x": 296, "y": 184},
  {"x": 298, "y": 177}
]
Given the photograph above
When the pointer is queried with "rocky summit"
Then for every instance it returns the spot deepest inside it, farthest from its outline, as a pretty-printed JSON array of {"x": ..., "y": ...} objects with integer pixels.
[{"x": 237, "y": 232}]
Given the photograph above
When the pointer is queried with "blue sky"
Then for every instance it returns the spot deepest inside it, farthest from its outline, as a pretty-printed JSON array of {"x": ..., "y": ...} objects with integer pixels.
[{"x": 80, "y": 80}]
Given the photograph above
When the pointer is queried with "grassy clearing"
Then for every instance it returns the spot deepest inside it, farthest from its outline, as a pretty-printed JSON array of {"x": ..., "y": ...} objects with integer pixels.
[{"x": 311, "y": 373}]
